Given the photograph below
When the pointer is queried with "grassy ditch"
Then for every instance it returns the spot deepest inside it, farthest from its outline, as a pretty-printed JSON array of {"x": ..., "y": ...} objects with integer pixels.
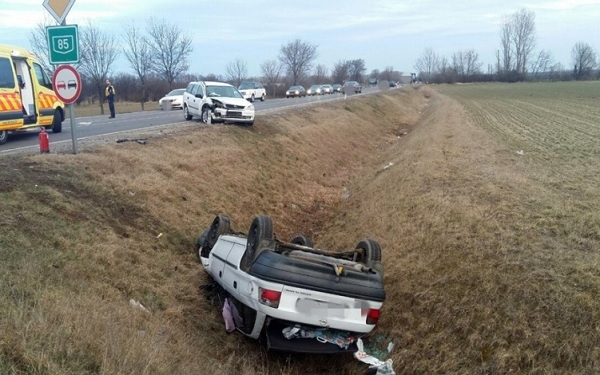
[{"x": 491, "y": 256}]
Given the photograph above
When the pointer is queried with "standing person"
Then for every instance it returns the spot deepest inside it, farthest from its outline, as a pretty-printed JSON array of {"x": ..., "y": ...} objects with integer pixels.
[{"x": 110, "y": 96}]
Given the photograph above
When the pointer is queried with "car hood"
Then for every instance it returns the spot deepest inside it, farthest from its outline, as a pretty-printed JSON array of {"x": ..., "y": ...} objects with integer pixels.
[{"x": 232, "y": 101}]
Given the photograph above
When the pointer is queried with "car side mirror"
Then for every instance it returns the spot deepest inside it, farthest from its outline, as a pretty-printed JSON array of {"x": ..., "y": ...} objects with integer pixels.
[{"x": 199, "y": 96}]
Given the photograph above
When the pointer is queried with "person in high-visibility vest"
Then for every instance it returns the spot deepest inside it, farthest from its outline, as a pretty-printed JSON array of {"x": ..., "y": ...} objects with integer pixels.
[{"x": 110, "y": 97}]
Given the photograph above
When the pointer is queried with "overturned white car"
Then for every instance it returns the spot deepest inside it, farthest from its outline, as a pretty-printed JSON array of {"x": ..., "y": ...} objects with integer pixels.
[{"x": 296, "y": 297}]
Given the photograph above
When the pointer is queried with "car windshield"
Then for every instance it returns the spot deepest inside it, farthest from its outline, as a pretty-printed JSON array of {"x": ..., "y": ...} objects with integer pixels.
[
  {"x": 295, "y": 88},
  {"x": 314, "y": 87},
  {"x": 176, "y": 92},
  {"x": 246, "y": 85},
  {"x": 222, "y": 91}
]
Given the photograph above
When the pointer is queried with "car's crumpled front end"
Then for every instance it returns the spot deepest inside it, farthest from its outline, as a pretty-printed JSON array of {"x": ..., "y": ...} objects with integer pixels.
[{"x": 232, "y": 110}]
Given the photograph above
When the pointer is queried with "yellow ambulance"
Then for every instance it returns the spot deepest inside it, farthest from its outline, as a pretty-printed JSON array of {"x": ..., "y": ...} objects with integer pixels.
[{"x": 26, "y": 96}]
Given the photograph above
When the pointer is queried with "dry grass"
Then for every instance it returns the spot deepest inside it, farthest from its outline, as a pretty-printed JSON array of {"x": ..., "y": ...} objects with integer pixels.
[
  {"x": 491, "y": 260},
  {"x": 85, "y": 109}
]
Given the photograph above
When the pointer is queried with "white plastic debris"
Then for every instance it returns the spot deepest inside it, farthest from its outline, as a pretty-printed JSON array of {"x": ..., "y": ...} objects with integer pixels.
[
  {"x": 383, "y": 368},
  {"x": 138, "y": 305},
  {"x": 389, "y": 165},
  {"x": 520, "y": 152}
]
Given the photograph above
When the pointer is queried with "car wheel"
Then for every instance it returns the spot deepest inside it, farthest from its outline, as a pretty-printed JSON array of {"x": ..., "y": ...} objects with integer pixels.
[
  {"x": 204, "y": 116},
  {"x": 186, "y": 113},
  {"x": 200, "y": 244},
  {"x": 252, "y": 98},
  {"x": 57, "y": 122},
  {"x": 372, "y": 251},
  {"x": 3, "y": 137},
  {"x": 302, "y": 240},
  {"x": 262, "y": 98},
  {"x": 260, "y": 237},
  {"x": 220, "y": 225}
]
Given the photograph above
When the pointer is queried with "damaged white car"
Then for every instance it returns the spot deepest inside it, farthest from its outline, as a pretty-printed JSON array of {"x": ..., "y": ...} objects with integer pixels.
[
  {"x": 216, "y": 102},
  {"x": 295, "y": 297}
]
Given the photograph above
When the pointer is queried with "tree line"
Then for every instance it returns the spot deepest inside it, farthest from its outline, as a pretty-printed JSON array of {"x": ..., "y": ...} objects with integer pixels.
[
  {"x": 158, "y": 55},
  {"x": 516, "y": 59}
]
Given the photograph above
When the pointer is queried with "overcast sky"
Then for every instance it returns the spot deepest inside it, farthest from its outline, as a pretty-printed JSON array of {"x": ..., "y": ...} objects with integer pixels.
[{"x": 382, "y": 32}]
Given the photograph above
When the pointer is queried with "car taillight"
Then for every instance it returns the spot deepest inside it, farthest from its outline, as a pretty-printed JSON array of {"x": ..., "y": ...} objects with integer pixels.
[
  {"x": 269, "y": 297},
  {"x": 373, "y": 316}
]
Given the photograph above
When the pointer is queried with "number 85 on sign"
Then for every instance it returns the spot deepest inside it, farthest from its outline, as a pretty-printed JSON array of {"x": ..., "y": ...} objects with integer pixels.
[{"x": 63, "y": 43}]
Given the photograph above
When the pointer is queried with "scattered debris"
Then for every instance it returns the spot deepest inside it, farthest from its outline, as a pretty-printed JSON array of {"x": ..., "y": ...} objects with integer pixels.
[
  {"x": 520, "y": 152},
  {"x": 383, "y": 368},
  {"x": 159, "y": 236},
  {"x": 141, "y": 141},
  {"x": 138, "y": 305}
]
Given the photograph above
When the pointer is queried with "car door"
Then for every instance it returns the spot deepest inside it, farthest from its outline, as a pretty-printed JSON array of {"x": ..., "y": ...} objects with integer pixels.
[
  {"x": 195, "y": 101},
  {"x": 11, "y": 110}
]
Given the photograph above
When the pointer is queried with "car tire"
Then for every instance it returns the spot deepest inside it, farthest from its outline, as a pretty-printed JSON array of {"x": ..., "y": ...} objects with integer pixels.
[
  {"x": 252, "y": 98},
  {"x": 220, "y": 225},
  {"x": 199, "y": 249},
  {"x": 260, "y": 238},
  {"x": 57, "y": 122},
  {"x": 262, "y": 98},
  {"x": 204, "y": 115},
  {"x": 3, "y": 137},
  {"x": 186, "y": 113},
  {"x": 372, "y": 251},
  {"x": 302, "y": 240}
]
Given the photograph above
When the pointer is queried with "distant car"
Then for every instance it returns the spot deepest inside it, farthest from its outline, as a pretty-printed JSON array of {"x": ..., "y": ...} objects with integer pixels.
[
  {"x": 393, "y": 84},
  {"x": 336, "y": 88},
  {"x": 253, "y": 90},
  {"x": 216, "y": 102},
  {"x": 315, "y": 90},
  {"x": 327, "y": 89},
  {"x": 351, "y": 86},
  {"x": 173, "y": 100},
  {"x": 295, "y": 91}
]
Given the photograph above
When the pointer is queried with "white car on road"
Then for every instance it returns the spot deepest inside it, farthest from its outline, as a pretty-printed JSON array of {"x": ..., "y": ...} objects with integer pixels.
[
  {"x": 173, "y": 100},
  {"x": 252, "y": 91},
  {"x": 297, "y": 297},
  {"x": 216, "y": 102}
]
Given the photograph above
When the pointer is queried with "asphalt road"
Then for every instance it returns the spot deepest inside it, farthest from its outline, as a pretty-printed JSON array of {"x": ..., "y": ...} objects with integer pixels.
[{"x": 102, "y": 126}]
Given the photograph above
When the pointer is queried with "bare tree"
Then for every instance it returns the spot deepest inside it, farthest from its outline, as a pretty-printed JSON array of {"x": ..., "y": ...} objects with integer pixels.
[
  {"x": 541, "y": 63},
  {"x": 517, "y": 39},
  {"x": 523, "y": 38},
  {"x": 98, "y": 54},
  {"x": 505, "y": 57},
  {"x": 39, "y": 43},
  {"x": 237, "y": 71},
  {"x": 357, "y": 69},
  {"x": 321, "y": 74},
  {"x": 271, "y": 71},
  {"x": 427, "y": 64},
  {"x": 169, "y": 49},
  {"x": 297, "y": 58},
  {"x": 340, "y": 72},
  {"x": 584, "y": 60},
  {"x": 137, "y": 53},
  {"x": 466, "y": 64}
]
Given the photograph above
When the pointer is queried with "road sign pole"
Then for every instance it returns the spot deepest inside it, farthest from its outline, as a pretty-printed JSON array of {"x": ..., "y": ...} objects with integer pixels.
[{"x": 72, "y": 114}]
